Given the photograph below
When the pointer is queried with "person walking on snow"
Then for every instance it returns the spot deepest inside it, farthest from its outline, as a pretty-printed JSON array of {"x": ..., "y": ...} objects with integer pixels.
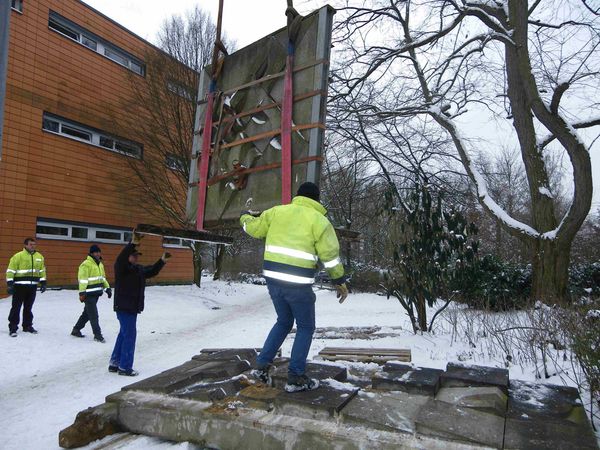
[
  {"x": 297, "y": 236},
  {"x": 130, "y": 284},
  {"x": 92, "y": 283},
  {"x": 25, "y": 270}
]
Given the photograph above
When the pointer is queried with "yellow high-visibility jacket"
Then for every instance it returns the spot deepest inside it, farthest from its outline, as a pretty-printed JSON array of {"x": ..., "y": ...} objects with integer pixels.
[
  {"x": 297, "y": 236},
  {"x": 26, "y": 269},
  {"x": 92, "y": 278}
]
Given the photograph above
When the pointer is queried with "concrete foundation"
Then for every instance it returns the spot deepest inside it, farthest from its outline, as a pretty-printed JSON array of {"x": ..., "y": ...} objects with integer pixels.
[{"x": 212, "y": 401}]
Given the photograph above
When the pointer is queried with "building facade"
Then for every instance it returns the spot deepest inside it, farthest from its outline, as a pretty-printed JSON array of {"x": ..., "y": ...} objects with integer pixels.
[{"x": 64, "y": 169}]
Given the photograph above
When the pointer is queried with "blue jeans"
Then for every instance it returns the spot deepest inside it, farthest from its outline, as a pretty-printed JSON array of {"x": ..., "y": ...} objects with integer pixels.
[
  {"x": 122, "y": 355},
  {"x": 291, "y": 302}
]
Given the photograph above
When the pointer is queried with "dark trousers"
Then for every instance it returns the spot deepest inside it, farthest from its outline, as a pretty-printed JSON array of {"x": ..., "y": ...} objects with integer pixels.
[
  {"x": 291, "y": 303},
  {"x": 122, "y": 355},
  {"x": 90, "y": 312},
  {"x": 25, "y": 296}
]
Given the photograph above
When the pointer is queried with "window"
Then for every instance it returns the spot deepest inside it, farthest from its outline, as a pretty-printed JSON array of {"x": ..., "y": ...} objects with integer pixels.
[
  {"x": 178, "y": 88},
  {"x": 75, "y": 231},
  {"x": 79, "y": 132},
  {"x": 175, "y": 162},
  {"x": 64, "y": 26},
  {"x": 175, "y": 242},
  {"x": 17, "y": 5}
]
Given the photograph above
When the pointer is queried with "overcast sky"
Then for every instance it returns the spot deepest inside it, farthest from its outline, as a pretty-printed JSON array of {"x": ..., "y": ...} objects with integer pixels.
[{"x": 243, "y": 20}]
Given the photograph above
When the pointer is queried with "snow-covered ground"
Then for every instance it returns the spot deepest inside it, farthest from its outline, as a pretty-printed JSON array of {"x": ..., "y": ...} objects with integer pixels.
[{"x": 45, "y": 379}]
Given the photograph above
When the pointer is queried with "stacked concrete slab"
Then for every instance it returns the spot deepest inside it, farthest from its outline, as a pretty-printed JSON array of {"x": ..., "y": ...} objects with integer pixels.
[{"x": 211, "y": 401}]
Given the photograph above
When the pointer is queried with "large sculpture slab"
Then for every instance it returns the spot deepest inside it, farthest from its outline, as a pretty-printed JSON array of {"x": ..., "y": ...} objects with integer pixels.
[{"x": 246, "y": 144}]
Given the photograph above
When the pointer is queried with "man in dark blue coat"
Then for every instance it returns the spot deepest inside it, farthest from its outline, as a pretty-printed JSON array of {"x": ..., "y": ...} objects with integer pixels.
[{"x": 130, "y": 283}]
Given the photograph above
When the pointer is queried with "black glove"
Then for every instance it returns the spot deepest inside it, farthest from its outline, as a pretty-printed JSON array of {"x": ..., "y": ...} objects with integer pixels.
[
  {"x": 43, "y": 287},
  {"x": 165, "y": 256},
  {"x": 82, "y": 297},
  {"x": 10, "y": 289},
  {"x": 108, "y": 292}
]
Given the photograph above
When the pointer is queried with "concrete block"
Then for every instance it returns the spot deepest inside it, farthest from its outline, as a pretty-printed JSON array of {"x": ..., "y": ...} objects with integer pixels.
[
  {"x": 212, "y": 391},
  {"x": 229, "y": 354},
  {"x": 190, "y": 373},
  {"x": 90, "y": 425},
  {"x": 419, "y": 380},
  {"x": 541, "y": 434},
  {"x": 392, "y": 411},
  {"x": 321, "y": 404},
  {"x": 488, "y": 398},
  {"x": 443, "y": 421},
  {"x": 551, "y": 402},
  {"x": 458, "y": 375},
  {"x": 313, "y": 370}
]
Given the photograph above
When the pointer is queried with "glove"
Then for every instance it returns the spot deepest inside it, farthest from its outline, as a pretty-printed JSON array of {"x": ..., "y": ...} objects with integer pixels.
[
  {"x": 108, "y": 292},
  {"x": 82, "y": 297},
  {"x": 43, "y": 287},
  {"x": 136, "y": 238},
  {"x": 165, "y": 256},
  {"x": 342, "y": 292},
  {"x": 10, "y": 289}
]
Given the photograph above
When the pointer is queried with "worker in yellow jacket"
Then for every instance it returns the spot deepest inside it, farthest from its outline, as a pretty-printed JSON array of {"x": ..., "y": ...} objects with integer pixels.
[
  {"x": 25, "y": 271},
  {"x": 92, "y": 283},
  {"x": 297, "y": 236}
]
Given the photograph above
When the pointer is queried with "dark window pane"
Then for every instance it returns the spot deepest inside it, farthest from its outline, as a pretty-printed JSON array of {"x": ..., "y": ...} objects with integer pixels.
[
  {"x": 127, "y": 147},
  {"x": 55, "y": 231},
  {"x": 79, "y": 233},
  {"x": 137, "y": 68},
  {"x": 107, "y": 142},
  {"x": 63, "y": 29},
  {"x": 115, "y": 56},
  {"x": 50, "y": 125},
  {"x": 127, "y": 236},
  {"x": 108, "y": 235},
  {"x": 89, "y": 42},
  {"x": 17, "y": 4},
  {"x": 171, "y": 241},
  {"x": 79, "y": 134}
]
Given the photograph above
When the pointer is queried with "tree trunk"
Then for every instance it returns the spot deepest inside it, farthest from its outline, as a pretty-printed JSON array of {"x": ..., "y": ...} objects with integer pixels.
[
  {"x": 197, "y": 258},
  {"x": 422, "y": 313},
  {"x": 219, "y": 261},
  {"x": 550, "y": 272}
]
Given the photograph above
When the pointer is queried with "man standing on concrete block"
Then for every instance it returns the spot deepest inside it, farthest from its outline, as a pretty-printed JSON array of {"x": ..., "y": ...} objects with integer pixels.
[
  {"x": 297, "y": 236},
  {"x": 25, "y": 270},
  {"x": 130, "y": 284},
  {"x": 92, "y": 283}
]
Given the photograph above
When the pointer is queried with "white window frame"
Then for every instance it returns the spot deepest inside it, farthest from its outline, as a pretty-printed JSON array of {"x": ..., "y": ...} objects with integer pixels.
[
  {"x": 17, "y": 5},
  {"x": 180, "y": 245},
  {"x": 91, "y": 228},
  {"x": 180, "y": 90},
  {"x": 102, "y": 46},
  {"x": 95, "y": 135}
]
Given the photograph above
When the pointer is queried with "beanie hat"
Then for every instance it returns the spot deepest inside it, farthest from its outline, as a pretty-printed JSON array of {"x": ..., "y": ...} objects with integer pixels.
[
  {"x": 94, "y": 248},
  {"x": 310, "y": 190}
]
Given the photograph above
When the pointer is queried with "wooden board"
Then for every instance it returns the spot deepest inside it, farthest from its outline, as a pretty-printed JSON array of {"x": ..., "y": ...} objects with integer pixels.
[
  {"x": 190, "y": 235},
  {"x": 365, "y": 354}
]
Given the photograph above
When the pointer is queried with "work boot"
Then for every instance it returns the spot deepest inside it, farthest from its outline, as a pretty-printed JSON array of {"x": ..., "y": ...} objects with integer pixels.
[
  {"x": 299, "y": 383},
  {"x": 262, "y": 374},
  {"x": 113, "y": 369},
  {"x": 77, "y": 333},
  {"x": 99, "y": 339},
  {"x": 128, "y": 373},
  {"x": 12, "y": 333},
  {"x": 30, "y": 330}
]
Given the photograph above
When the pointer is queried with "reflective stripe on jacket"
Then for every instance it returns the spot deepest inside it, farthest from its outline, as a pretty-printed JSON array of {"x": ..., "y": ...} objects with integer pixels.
[
  {"x": 92, "y": 278},
  {"x": 26, "y": 268},
  {"x": 297, "y": 236}
]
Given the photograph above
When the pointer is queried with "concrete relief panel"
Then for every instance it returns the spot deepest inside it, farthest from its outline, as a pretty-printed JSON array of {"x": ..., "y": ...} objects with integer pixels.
[{"x": 246, "y": 142}]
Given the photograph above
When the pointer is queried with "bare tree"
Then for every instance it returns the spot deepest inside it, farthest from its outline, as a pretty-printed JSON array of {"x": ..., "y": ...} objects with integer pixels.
[
  {"x": 161, "y": 110},
  {"x": 446, "y": 63}
]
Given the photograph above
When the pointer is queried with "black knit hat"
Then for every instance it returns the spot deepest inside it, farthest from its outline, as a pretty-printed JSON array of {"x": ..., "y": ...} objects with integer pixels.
[
  {"x": 94, "y": 248},
  {"x": 310, "y": 190}
]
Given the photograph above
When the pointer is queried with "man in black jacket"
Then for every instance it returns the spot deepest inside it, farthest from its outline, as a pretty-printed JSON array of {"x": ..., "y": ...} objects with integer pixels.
[{"x": 130, "y": 283}]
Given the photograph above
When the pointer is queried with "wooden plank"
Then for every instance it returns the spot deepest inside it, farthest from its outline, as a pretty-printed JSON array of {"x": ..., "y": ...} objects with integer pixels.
[
  {"x": 364, "y": 358},
  {"x": 191, "y": 235},
  {"x": 379, "y": 355},
  {"x": 365, "y": 351}
]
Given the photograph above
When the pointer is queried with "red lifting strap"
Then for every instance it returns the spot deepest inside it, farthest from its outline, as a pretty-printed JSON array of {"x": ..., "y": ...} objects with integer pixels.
[
  {"x": 286, "y": 128},
  {"x": 204, "y": 158}
]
